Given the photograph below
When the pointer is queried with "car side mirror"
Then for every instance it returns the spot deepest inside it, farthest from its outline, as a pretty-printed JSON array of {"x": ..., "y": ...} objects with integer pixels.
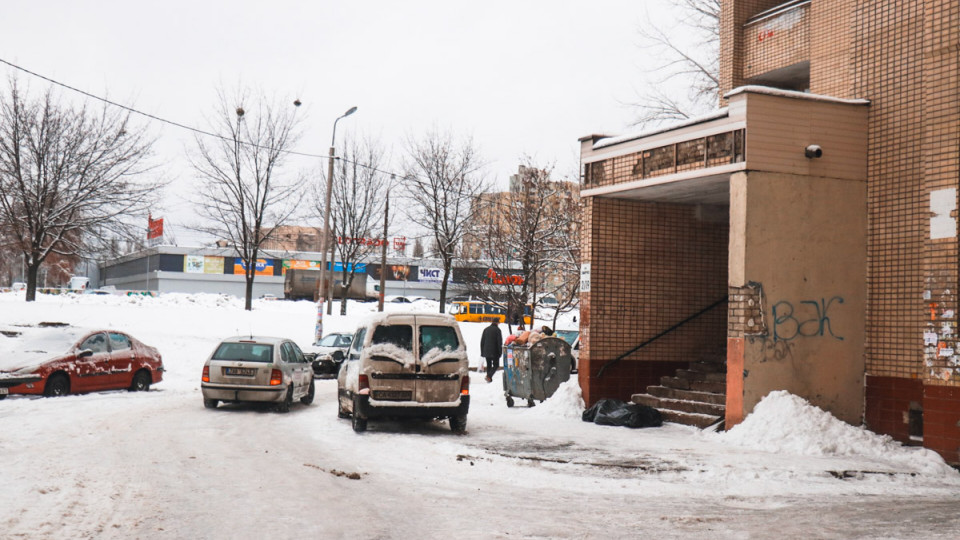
[{"x": 86, "y": 353}]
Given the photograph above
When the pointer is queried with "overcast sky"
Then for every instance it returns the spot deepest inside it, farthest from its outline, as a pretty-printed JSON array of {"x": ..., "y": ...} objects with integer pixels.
[{"x": 520, "y": 77}]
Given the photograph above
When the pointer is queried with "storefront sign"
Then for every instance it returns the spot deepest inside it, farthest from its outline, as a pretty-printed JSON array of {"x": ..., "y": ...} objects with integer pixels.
[{"x": 432, "y": 275}]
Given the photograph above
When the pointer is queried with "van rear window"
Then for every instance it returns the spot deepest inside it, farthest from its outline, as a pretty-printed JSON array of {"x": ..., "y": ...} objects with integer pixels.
[
  {"x": 244, "y": 352},
  {"x": 400, "y": 335},
  {"x": 438, "y": 337}
]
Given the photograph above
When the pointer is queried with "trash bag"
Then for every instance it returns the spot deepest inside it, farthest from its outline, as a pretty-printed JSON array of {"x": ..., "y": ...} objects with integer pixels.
[{"x": 613, "y": 412}]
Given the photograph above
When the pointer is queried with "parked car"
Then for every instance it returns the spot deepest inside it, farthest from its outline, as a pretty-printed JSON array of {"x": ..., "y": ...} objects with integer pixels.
[
  {"x": 405, "y": 365},
  {"x": 257, "y": 369},
  {"x": 59, "y": 359},
  {"x": 327, "y": 354}
]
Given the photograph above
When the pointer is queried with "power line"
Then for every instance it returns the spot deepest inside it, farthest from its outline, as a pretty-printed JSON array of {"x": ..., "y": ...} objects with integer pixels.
[{"x": 177, "y": 124}]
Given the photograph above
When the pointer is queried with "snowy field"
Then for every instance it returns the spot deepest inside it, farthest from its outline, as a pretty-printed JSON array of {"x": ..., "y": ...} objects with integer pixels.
[{"x": 159, "y": 465}]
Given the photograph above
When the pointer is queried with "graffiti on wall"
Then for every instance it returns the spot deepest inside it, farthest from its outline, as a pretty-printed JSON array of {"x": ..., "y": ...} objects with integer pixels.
[
  {"x": 786, "y": 323},
  {"x": 808, "y": 319}
]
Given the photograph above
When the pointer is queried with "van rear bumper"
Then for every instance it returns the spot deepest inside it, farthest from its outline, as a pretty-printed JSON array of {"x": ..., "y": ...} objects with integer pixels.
[{"x": 420, "y": 411}]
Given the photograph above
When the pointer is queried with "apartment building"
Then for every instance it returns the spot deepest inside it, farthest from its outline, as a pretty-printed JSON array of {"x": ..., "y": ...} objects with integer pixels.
[{"x": 802, "y": 237}]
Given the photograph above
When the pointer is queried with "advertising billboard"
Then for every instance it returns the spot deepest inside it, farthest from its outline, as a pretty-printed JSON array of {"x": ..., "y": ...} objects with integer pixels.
[
  {"x": 264, "y": 267},
  {"x": 193, "y": 264},
  {"x": 294, "y": 264},
  {"x": 213, "y": 265},
  {"x": 200, "y": 264},
  {"x": 395, "y": 272}
]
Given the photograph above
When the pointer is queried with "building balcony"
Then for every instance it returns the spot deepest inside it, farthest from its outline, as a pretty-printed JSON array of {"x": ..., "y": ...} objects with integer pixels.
[
  {"x": 761, "y": 129},
  {"x": 776, "y": 46}
]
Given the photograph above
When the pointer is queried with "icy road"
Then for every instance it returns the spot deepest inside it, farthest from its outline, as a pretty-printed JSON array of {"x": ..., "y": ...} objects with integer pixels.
[{"x": 159, "y": 465}]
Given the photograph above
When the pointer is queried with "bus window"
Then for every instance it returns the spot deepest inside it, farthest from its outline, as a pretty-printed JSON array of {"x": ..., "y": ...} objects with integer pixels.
[{"x": 476, "y": 309}]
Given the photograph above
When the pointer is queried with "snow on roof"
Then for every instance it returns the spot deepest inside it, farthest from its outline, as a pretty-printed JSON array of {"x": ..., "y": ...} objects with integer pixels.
[
  {"x": 610, "y": 141},
  {"x": 756, "y": 89},
  {"x": 785, "y": 423},
  {"x": 28, "y": 346}
]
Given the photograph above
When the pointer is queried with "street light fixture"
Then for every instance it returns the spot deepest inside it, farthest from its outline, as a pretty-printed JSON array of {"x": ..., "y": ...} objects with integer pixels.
[{"x": 326, "y": 232}]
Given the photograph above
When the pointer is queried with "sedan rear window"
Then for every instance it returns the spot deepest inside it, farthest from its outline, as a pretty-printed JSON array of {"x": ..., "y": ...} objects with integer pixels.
[{"x": 244, "y": 352}]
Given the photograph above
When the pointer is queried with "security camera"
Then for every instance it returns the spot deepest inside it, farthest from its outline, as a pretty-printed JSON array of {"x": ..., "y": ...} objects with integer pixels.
[{"x": 813, "y": 151}]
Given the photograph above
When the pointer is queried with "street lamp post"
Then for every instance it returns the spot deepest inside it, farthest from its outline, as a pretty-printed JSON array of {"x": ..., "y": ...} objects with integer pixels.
[{"x": 326, "y": 230}]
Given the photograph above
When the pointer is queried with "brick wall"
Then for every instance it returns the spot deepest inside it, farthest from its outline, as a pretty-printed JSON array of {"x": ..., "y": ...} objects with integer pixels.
[
  {"x": 652, "y": 265},
  {"x": 889, "y": 401},
  {"x": 886, "y": 49},
  {"x": 941, "y": 421}
]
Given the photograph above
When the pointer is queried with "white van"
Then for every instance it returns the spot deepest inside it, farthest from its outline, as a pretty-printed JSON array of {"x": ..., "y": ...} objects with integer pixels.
[{"x": 405, "y": 365}]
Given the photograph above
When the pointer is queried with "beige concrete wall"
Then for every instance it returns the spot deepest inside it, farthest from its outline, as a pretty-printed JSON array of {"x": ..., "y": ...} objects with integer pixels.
[
  {"x": 780, "y": 128},
  {"x": 803, "y": 239}
]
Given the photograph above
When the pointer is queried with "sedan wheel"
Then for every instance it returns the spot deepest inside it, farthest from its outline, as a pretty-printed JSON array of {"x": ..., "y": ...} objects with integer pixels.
[
  {"x": 284, "y": 406},
  {"x": 141, "y": 382},
  {"x": 308, "y": 399},
  {"x": 57, "y": 385},
  {"x": 210, "y": 403}
]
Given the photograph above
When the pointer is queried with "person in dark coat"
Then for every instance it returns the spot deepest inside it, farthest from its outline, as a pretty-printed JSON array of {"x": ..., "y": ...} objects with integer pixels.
[{"x": 491, "y": 347}]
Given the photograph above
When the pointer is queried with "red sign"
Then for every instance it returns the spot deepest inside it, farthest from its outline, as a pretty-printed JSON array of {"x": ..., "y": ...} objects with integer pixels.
[
  {"x": 501, "y": 279},
  {"x": 154, "y": 228}
]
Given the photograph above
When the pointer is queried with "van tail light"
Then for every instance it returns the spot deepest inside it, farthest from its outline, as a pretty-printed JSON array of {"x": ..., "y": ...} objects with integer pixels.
[
  {"x": 205, "y": 377},
  {"x": 276, "y": 377},
  {"x": 465, "y": 385}
]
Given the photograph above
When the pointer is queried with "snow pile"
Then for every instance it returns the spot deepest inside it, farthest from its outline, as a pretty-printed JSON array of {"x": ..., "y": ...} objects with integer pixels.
[
  {"x": 566, "y": 402},
  {"x": 785, "y": 423}
]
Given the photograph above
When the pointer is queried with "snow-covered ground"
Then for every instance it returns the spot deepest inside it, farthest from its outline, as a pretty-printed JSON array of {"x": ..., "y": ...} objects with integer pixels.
[{"x": 119, "y": 464}]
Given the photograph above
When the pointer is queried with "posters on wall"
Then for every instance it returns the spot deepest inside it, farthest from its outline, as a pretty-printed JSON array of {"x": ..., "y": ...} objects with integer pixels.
[
  {"x": 200, "y": 264},
  {"x": 294, "y": 264},
  {"x": 213, "y": 265}
]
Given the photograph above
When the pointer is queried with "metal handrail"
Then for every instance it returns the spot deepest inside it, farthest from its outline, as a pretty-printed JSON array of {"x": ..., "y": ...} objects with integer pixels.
[{"x": 660, "y": 335}]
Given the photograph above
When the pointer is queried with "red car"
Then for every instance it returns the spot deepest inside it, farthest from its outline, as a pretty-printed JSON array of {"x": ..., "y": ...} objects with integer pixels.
[{"x": 56, "y": 359}]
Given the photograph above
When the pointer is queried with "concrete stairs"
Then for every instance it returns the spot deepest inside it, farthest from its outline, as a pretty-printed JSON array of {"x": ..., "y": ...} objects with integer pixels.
[{"x": 695, "y": 396}]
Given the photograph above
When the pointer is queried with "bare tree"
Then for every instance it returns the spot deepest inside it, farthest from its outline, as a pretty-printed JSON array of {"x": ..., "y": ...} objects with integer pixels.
[
  {"x": 418, "y": 250},
  {"x": 359, "y": 194},
  {"x": 693, "y": 63},
  {"x": 244, "y": 189},
  {"x": 443, "y": 176},
  {"x": 68, "y": 177},
  {"x": 529, "y": 239}
]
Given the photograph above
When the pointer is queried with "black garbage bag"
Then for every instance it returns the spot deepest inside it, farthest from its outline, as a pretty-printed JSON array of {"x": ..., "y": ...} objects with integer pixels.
[{"x": 613, "y": 412}]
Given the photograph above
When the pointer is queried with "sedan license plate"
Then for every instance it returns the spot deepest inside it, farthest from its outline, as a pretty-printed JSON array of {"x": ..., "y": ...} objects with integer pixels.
[
  {"x": 4, "y": 391},
  {"x": 393, "y": 395},
  {"x": 240, "y": 371}
]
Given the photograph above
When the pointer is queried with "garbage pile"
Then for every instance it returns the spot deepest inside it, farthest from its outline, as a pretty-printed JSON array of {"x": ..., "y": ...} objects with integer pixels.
[{"x": 613, "y": 412}]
